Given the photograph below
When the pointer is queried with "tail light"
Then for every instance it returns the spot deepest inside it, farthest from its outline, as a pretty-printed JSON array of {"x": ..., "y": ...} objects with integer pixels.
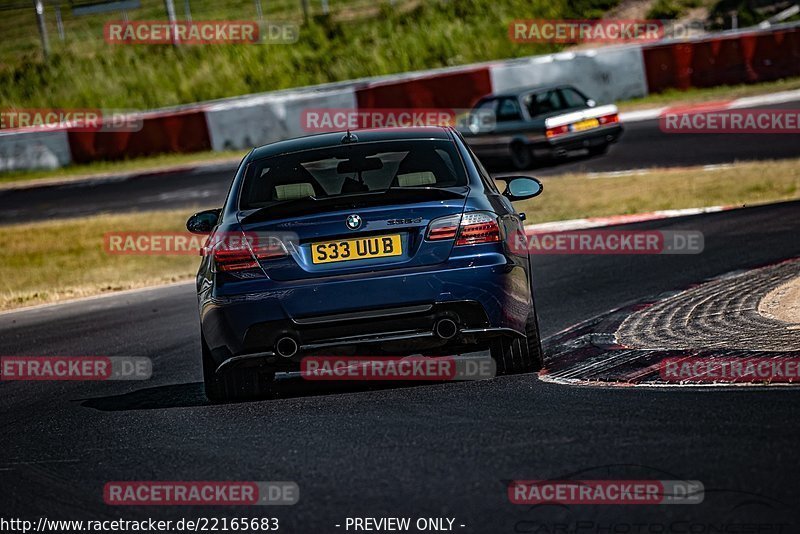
[
  {"x": 468, "y": 229},
  {"x": 608, "y": 119},
  {"x": 557, "y": 130},
  {"x": 444, "y": 228},
  {"x": 478, "y": 227},
  {"x": 237, "y": 251},
  {"x": 233, "y": 259}
]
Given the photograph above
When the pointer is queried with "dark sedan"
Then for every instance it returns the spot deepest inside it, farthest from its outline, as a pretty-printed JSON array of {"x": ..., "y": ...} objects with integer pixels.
[
  {"x": 390, "y": 241},
  {"x": 536, "y": 124}
]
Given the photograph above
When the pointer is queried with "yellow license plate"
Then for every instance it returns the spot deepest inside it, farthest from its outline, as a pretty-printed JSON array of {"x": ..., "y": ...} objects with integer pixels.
[
  {"x": 588, "y": 124},
  {"x": 357, "y": 249}
]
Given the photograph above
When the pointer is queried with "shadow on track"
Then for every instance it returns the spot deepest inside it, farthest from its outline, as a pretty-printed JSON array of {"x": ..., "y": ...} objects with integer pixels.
[
  {"x": 191, "y": 394},
  {"x": 159, "y": 397}
]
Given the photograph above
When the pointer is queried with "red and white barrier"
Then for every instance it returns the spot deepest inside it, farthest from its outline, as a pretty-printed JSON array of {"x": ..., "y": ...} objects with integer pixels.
[
  {"x": 262, "y": 119},
  {"x": 734, "y": 58},
  {"x": 34, "y": 150},
  {"x": 162, "y": 132},
  {"x": 444, "y": 89},
  {"x": 607, "y": 75}
]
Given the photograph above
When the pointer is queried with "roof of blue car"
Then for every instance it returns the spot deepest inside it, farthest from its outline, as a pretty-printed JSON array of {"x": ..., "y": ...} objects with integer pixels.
[{"x": 325, "y": 140}]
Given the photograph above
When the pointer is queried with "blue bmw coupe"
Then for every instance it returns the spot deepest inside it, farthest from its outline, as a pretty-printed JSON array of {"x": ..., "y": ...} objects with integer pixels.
[{"x": 374, "y": 242}]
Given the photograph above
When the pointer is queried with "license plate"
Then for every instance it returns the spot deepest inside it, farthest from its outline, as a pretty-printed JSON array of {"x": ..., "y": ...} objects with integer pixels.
[
  {"x": 362, "y": 248},
  {"x": 588, "y": 124}
]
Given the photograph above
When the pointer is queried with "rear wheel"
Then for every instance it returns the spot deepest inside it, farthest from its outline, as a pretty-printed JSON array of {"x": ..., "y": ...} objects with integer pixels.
[
  {"x": 517, "y": 354},
  {"x": 534, "y": 341},
  {"x": 508, "y": 354},
  {"x": 521, "y": 156},
  {"x": 233, "y": 384}
]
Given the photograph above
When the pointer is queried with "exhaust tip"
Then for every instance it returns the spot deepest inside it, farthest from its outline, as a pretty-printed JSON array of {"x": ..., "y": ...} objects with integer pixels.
[
  {"x": 286, "y": 347},
  {"x": 446, "y": 328}
]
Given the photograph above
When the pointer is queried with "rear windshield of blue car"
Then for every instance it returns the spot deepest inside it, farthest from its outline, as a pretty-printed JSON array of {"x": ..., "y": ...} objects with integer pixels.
[{"x": 353, "y": 169}]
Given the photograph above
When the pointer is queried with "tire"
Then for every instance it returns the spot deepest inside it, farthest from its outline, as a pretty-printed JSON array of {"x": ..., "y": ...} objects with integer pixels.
[
  {"x": 521, "y": 156},
  {"x": 534, "y": 341},
  {"x": 508, "y": 356},
  {"x": 233, "y": 384},
  {"x": 514, "y": 355}
]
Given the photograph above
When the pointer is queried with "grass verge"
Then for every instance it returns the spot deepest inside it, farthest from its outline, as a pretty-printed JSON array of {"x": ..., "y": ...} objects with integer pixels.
[
  {"x": 57, "y": 260},
  {"x": 64, "y": 259},
  {"x": 571, "y": 196}
]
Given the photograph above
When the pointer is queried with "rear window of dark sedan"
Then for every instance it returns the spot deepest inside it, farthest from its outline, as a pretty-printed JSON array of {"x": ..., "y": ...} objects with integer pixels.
[{"x": 351, "y": 169}]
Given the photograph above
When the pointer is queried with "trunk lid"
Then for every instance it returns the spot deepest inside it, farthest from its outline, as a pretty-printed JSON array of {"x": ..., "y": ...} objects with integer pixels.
[{"x": 355, "y": 233}]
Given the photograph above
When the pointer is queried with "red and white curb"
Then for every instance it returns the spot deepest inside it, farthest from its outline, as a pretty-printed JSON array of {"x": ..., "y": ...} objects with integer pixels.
[
  {"x": 745, "y": 102},
  {"x": 597, "y": 222}
]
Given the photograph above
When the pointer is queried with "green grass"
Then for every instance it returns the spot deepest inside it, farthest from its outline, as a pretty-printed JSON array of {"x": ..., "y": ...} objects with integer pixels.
[
  {"x": 670, "y": 9},
  {"x": 584, "y": 195},
  {"x": 360, "y": 39},
  {"x": 57, "y": 260}
]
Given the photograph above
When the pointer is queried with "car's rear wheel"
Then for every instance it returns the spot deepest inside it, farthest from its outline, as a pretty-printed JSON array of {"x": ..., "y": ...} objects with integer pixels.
[
  {"x": 233, "y": 384},
  {"x": 521, "y": 156},
  {"x": 534, "y": 341},
  {"x": 516, "y": 354}
]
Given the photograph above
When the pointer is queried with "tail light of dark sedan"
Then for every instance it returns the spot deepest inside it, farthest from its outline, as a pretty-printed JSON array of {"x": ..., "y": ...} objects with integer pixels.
[
  {"x": 471, "y": 228},
  {"x": 611, "y": 118},
  {"x": 557, "y": 130}
]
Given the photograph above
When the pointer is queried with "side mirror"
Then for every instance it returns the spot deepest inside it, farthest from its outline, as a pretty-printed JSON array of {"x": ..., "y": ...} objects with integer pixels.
[
  {"x": 521, "y": 187},
  {"x": 591, "y": 103},
  {"x": 203, "y": 222}
]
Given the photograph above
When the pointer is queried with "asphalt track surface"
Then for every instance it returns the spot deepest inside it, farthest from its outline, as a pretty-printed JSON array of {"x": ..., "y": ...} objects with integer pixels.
[
  {"x": 438, "y": 450},
  {"x": 643, "y": 145}
]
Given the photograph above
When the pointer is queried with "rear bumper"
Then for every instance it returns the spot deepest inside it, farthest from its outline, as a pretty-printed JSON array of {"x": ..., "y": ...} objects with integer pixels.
[
  {"x": 577, "y": 141},
  {"x": 388, "y": 314},
  {"x": 382, "y": 342}
]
